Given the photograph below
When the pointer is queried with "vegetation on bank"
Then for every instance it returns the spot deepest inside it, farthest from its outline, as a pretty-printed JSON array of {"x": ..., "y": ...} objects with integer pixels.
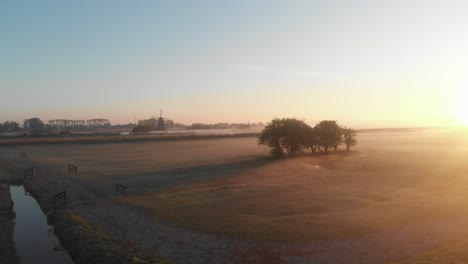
[
  {"x": 89, "y": 244},
  {"x": 292, "y": 136},
  {"x": 7, "y": 245}
]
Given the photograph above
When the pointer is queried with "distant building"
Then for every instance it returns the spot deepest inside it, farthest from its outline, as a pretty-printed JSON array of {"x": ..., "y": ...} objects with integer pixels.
[
  {"x": 98, "y": 122},
  {"x": 65, "y": 123},
  {"x": 159, "y": 124}
]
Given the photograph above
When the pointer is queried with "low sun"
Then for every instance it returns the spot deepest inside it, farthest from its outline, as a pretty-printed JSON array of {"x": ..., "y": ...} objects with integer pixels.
[{"x": 463, "y": 119}]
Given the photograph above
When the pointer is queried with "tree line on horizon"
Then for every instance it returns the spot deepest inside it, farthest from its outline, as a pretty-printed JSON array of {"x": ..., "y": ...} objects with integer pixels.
[
  {"x": 9, "y": 126},
  {"x": 36, "y": 126},
  {"x": 293, "y": 136},
  {"x": 33, "y": 125}
]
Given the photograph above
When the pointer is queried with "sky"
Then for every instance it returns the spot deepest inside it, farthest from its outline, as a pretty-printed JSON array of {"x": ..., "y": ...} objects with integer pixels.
[{"x": 363, "y": 63}]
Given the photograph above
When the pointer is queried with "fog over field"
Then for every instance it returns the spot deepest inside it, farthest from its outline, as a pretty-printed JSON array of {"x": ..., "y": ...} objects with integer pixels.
[
  {"x": 389, "y": 195},
  {"x": 234, "y": 132}
]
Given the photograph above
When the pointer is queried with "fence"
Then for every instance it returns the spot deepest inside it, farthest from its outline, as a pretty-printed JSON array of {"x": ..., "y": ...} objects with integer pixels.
[
  {"x": 73, "y": 192},
  {"x": 29, "y": 172},
  {"x": 72, "y": 170}
]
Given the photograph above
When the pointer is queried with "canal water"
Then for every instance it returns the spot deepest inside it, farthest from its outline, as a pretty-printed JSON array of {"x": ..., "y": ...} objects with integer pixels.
[{"x": 34, "y": 239}]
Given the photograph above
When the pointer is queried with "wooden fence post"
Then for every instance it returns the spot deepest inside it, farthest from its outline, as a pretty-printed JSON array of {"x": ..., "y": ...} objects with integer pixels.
[
  {"x": 72, "y": 169},
  {"x": 119, "y": 188}
]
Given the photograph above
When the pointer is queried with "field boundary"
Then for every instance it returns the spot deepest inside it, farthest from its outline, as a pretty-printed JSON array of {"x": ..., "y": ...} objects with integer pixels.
[{"x": 98, "y": 139}]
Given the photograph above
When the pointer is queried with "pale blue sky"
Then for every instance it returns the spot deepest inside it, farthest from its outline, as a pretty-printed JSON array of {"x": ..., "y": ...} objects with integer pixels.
[{"x": 364, "y": 63}]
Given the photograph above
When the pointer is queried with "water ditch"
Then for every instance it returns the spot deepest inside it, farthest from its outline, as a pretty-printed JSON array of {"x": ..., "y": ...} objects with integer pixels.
[{"x": 34, "y": 238}]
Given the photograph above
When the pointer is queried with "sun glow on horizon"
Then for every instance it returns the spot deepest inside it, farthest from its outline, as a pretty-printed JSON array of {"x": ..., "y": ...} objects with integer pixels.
[{"x": 461, "y": 104}]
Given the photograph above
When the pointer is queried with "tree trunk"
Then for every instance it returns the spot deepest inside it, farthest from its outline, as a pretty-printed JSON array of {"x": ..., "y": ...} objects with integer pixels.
[{"x": 313, "y": 148}]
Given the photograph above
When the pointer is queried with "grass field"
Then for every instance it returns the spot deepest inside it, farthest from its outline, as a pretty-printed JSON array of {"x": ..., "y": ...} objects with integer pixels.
[
  {"x": 392, "y": 180},
  {"x": 231, "y": 186}
]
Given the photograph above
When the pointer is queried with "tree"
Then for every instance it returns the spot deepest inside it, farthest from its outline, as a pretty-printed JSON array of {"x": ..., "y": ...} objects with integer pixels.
[
  {"x": 349, "y": 138},
  {"x": 34, "y": 125},
  {"x": 271, "y": 137},
  {"x": 312, "y": 141},
  {"x": 285, "y": 135},
  {"x": 328, "y": 134},
  {"x": 9, "y": 126},
  {"x": 296, "y": 135}
]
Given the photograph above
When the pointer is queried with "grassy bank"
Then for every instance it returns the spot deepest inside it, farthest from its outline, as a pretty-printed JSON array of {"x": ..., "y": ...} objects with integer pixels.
[
  {"x": 85, "y": 243},
  {"x": 88, "y": 244}
]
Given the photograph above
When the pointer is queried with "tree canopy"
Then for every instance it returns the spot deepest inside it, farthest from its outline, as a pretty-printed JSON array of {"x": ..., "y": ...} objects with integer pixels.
[
  {"x": 9, "y": 126},
  {"x": 34, "y": 125},
  {"x": 328, "y": 134},
  {"x": 284, "y": 135}
]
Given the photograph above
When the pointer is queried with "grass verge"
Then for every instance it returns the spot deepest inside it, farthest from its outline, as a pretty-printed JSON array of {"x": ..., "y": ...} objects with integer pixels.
[{"x": 88, "y": 244}]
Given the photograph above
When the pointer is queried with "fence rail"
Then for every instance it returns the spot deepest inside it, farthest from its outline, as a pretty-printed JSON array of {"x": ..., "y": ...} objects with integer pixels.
[
  {"x": 73, "y": 193},
  {"x": 60, "y": 196},
  {"x": 29, "y": 172},
  {"x": 72, "y": 170}
]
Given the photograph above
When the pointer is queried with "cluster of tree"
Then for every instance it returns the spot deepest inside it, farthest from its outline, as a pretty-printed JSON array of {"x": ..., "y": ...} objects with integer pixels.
[
  {"x": 224, "y": 126},
  {"x": 292, "y": 136},
  {"x": 9, "y": 126},
  {"x": 142, "y": 129},
  {"x": 176, "y": 126}
]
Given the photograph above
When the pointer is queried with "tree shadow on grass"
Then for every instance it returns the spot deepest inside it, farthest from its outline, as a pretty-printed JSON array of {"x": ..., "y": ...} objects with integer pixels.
[
  {"x": 157, "y": 180},
  {"x": 153, "y": 181}
]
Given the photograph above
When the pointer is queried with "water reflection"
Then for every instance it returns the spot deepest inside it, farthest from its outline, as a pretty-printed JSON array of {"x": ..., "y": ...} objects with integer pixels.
[{"x": 34, "y": 239}]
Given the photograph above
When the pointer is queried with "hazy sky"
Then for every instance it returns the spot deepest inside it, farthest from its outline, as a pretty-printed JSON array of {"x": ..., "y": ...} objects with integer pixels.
[{"x": 364, "y": 63}]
